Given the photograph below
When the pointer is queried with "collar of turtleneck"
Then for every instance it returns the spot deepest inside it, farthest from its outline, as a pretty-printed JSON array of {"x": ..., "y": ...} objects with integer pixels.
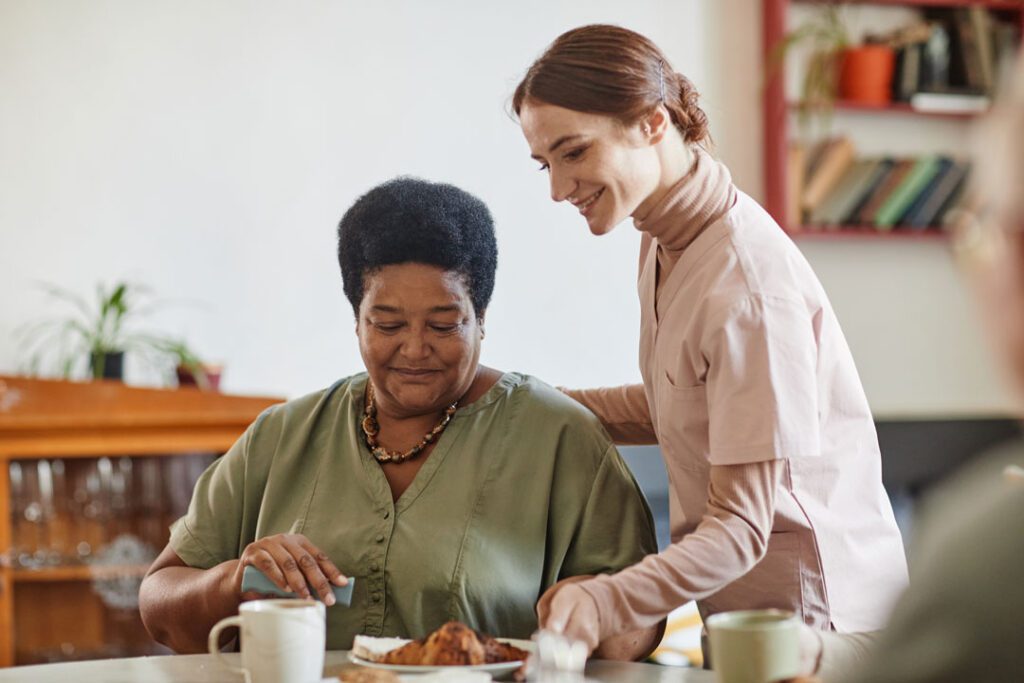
[{"x": 701, "y": 197}]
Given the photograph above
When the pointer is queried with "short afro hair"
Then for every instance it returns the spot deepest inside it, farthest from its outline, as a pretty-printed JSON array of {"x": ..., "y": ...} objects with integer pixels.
[{"x": 409, "y": 220}]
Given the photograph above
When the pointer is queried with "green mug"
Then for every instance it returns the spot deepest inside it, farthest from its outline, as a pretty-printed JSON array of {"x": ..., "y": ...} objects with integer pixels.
[{"x": 754, "y": 646}]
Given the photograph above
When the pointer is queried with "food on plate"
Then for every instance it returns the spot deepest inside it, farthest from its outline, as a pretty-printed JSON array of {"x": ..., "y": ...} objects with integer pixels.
[
  {"x": 372, "y": 648},
  {"x": 454, "y": 644},
  {"x": 363, "y": 675},
  {"x": 368, "y": 676}
]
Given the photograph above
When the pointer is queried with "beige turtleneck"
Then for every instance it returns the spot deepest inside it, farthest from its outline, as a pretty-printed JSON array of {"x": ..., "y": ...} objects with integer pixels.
[{"x": 697, "y": 200}]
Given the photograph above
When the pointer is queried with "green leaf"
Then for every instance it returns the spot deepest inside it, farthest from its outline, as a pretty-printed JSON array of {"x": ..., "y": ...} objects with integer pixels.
[{"x": 825, "y": 37}]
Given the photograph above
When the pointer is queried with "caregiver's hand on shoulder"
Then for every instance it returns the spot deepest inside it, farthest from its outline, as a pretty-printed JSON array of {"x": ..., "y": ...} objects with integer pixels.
[
  {"x": 293, "y": 563},
  {"x": 568, "y": 609}
]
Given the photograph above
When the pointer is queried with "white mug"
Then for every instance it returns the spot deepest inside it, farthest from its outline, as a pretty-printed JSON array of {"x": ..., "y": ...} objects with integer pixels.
[
  {"x": 754, "y": 646},
  {"x": 282, "y": 640}
]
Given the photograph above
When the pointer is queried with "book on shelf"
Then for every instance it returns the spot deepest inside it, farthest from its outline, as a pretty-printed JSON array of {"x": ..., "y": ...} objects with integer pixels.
[
  {"x": 878, "y": 175},
  {"x": 973, "y": 55},
  {"x": 835, "y": 159},
  {"x": 951, "y": 212},
  {"x": 966, "y": 54},
  {"x": 982, "y": 27},
  {"x": 945, "y": 190},
  {"x": 835, "y": 205},
  {"x": 895, "y": 175},
  {"x": 907, "y": 72},
  {"x": 913, "y": 68},
  {"x": 896, "y": 204},
  {"x": 814, "y": 154},
  {"x": 944, "y": 164},
  {"x": 845, "y": 203}
]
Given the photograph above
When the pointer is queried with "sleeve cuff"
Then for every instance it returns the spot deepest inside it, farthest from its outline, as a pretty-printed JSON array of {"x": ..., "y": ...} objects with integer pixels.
[
  {"x": 602, "y": 591},
  {"x": 188, "y": 548},
  {"x": 748, "y": 454}
]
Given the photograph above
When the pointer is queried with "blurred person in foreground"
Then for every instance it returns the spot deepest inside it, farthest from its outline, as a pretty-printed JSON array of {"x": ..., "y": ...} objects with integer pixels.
[
  {"x": 451, "y": 490},
  {"x": 962, "y": 619}
]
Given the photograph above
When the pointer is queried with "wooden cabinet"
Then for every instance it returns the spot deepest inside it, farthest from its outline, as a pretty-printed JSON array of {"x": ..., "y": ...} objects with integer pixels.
[
  {"x": 894, "y": 129},
  {"x": 91, "y": 474}
]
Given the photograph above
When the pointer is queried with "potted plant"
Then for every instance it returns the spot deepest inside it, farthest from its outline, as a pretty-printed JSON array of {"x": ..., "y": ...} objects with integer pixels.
[
  {"x": 190, "y": 370},
  {"x": 99, "y": 334},
  {"x": 96, "y": 334},
  {"x": 839, "y": 69}
]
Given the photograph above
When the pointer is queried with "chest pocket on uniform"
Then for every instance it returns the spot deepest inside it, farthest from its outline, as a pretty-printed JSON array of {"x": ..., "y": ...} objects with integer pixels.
[{"x": 682, "y": 414}]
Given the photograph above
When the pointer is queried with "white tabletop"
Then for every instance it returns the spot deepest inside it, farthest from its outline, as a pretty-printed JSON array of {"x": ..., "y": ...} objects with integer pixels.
[{"x": 204, "y": 669}]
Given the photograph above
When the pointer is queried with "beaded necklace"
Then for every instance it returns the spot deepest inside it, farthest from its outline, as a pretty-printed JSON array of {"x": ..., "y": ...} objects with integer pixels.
[{"x": 371, "y": 428}]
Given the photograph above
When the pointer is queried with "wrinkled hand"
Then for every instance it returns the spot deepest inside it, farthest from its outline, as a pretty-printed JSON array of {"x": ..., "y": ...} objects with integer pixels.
[
  {"x": 294, "y": 564},
  {"x": 568, "y": 609}
]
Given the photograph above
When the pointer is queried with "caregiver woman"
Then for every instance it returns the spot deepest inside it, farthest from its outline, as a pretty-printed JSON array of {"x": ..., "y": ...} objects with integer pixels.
[{"x": 749, "y": 386}]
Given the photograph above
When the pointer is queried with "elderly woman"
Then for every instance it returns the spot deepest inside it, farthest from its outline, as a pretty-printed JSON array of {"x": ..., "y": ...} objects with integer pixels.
[{"x": 453, "y": 491}]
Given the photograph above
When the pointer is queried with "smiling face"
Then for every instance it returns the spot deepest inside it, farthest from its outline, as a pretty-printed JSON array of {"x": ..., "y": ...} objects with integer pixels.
[
  {"x": 605, "y": 169},
  {"x": 419, "y": 338}
]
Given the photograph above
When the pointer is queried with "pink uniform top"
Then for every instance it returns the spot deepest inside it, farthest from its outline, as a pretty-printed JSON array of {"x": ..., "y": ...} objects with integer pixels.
[{"x": 751, "y": 391}]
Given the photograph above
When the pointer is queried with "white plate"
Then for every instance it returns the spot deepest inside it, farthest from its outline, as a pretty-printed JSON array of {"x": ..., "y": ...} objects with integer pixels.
[
  {"x": 493, "y": 669},
  {"x": 459, "y": 676}
]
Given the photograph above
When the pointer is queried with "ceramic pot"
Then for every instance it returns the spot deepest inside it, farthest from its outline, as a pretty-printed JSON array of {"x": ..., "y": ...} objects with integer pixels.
[
  {"x": 865, "y": 74},
  {"x": 108, "y": 365},
  {"x": 186, "y": 378}
]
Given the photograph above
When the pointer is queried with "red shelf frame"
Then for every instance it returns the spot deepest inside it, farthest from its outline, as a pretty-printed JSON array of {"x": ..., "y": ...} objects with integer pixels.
[
  {"x": 894, "y": 108},
  {"x": 775, "y": 113},
  {"x": 1009, "y": 5},
  {"x": 847, "y": 232}
]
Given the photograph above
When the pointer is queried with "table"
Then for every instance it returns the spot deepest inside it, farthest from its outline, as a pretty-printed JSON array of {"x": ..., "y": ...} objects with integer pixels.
[{"x": 204, "y": 669}]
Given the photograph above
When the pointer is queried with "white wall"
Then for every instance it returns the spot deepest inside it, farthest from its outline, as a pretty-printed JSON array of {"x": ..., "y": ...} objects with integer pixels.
[{"x": 208, "y": 150}]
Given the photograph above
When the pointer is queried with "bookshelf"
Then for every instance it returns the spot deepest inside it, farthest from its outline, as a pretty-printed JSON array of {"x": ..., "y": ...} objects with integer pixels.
[
  {"x": 90, "y": 473},
  {"x": 895, "y": 120}
]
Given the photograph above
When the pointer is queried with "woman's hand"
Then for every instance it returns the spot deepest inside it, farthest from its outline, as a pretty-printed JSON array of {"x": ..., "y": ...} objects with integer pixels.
[
  {"x": 294, "y": 564},
  {"x": 568, "y": 609}
]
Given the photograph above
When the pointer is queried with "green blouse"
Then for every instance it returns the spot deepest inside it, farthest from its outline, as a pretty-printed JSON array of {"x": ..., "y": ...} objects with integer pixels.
[{"x": 523, "y": 488}]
